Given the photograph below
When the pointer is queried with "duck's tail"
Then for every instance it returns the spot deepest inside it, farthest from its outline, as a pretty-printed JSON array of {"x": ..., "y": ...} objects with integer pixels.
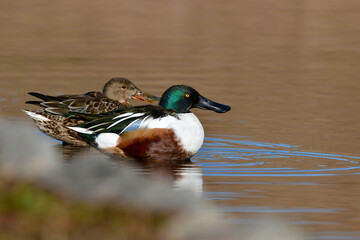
[
  {"x": 36, "y": 116},
  {"x": 43, "y": 97}
]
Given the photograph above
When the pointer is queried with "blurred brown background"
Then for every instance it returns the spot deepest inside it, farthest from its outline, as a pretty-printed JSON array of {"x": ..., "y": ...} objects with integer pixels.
[{"x": 289, "y": 69}]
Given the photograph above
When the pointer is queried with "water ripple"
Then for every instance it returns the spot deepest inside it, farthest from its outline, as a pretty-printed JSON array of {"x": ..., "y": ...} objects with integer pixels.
[{"x": 275, "y": 159}]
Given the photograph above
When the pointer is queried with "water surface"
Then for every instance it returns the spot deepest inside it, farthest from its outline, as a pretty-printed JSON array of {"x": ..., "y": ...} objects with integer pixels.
[{"x": 289, "y": 69}]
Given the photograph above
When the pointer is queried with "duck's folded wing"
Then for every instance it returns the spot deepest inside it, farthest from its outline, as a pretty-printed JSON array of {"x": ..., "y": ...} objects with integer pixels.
[
  {"x": 118, "y": 121},
  {"x": 91, "y": 102},
  {"x": 114, "y": 122}
]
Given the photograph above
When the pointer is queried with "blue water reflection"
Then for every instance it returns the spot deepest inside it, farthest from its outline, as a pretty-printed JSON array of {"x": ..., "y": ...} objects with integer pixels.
[{"x": 228, "y": 156}]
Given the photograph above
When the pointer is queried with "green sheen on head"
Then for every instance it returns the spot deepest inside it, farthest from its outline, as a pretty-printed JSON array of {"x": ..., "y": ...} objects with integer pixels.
[
  {"x": 178, "y": 98},
  {"x": 181, "y": 98}
]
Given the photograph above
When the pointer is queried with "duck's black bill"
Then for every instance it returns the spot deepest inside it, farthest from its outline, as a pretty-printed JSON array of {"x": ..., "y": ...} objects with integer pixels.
[{"x": 207, "y": 104}]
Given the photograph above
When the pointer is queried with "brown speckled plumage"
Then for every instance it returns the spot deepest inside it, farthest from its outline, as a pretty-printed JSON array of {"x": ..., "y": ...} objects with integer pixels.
[
  {"x": 57, "y": 110},
  {"x": 56, "y": 128}
]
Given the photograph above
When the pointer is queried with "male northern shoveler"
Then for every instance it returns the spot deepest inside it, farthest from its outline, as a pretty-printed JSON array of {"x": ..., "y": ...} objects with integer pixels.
[
  {"x": 58, "y": 111},
  {"x": 152, "y": 133}
]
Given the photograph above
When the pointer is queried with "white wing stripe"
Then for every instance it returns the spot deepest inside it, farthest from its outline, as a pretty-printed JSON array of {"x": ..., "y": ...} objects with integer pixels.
[
  {"x": 123, "y": 115},
  {"x": 97, "y": 125},
  {"x": 123, "y": 119},
  {"x": 81, "y": 130},
  {"x": 143, "y": 120}
]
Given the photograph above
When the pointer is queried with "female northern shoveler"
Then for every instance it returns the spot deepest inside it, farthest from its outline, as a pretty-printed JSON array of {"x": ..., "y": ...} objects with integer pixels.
[
  {"x": 58, "y": 111},
  {"x": 152, "y": 133}
]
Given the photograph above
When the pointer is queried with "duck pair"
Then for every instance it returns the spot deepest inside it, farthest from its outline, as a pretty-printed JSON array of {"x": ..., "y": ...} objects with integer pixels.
[{"x": 168, "y": 131}]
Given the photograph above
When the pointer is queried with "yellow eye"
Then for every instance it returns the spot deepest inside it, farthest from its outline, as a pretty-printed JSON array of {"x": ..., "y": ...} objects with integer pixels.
[{"x": 187, "y": 95}]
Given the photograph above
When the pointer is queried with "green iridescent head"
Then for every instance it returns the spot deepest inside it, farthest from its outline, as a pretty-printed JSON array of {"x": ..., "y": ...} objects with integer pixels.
[{"x": 181, "y": 98}]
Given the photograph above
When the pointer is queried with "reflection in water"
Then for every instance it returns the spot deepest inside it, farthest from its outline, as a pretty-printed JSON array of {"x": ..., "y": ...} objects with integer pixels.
[
  {"x": 248, "y": 177},
  {"x": 184, "y": 175},
  {"x": 70, "y": 151},
  {"x": 269, "y": 160},
  {"x": 189, "y": 179},
  {"x": 246, "y": 161}
]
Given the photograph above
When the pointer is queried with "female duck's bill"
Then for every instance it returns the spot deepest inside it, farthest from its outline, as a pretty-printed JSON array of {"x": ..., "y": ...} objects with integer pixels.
[{"x": 144, "y": 96}]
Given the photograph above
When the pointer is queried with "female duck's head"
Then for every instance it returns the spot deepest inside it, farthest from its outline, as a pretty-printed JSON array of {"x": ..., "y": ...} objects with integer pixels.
[
  {"x": 122, "y": 90},
  {"x": 181, "y": 98}
]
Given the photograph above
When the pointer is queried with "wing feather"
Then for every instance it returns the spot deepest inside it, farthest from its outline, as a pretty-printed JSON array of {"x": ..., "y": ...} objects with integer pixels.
[
  {"x": 125, "y": 118},
  {"x": 119, "y": 121}
]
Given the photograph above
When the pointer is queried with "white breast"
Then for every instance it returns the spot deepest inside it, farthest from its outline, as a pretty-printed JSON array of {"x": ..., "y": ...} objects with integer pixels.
[{"x": 187, "y": 128}]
